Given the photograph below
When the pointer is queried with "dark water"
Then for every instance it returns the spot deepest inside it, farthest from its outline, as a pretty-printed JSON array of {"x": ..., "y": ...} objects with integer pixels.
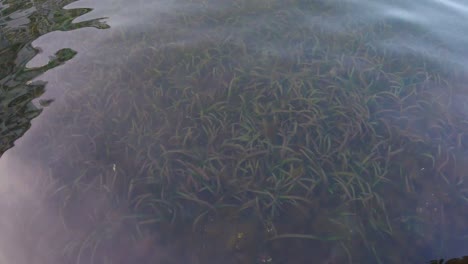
[{"x": 265, "y": 131}]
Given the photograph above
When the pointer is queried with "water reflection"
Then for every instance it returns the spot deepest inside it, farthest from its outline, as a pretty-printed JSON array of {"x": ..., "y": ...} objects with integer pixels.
[
  {"x": 241, "y": 132},
  {"x": 437, "y": 25}
]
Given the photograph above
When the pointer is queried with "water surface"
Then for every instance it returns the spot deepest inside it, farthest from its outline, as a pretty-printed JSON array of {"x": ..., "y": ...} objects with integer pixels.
[{"x": 233, "y": 131}]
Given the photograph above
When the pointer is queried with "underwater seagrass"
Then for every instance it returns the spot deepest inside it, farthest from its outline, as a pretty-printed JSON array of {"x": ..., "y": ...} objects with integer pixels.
[{"x": 309, "y": 145}]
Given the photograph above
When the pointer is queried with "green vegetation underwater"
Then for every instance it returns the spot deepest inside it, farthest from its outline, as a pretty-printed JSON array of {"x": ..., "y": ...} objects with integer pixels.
[{"x": 234, "y": 132}]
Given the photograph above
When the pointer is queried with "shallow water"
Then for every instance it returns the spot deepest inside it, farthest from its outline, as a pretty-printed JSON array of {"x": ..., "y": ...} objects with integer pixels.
[{"x": 71, "y": 176}]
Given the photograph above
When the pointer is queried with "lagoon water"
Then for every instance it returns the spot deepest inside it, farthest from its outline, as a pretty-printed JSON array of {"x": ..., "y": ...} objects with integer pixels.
[{"x": 104, "y": 121}]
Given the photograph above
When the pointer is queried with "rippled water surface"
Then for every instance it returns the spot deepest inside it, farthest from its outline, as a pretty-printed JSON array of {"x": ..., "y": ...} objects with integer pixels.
[{"x": 245, "y": 131}]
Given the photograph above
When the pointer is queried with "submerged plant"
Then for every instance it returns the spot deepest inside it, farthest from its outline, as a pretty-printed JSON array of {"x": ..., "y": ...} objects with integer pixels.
[{"x": 315, "y": 147}]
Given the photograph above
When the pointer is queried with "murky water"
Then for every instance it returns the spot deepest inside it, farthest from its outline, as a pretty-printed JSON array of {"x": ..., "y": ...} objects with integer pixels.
[{"x": 261, "y": 131}]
